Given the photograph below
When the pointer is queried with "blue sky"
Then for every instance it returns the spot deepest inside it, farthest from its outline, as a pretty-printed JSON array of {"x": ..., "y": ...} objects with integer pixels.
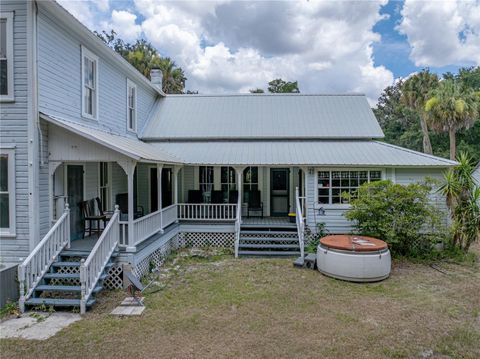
[{"x": 327, "y": 46}]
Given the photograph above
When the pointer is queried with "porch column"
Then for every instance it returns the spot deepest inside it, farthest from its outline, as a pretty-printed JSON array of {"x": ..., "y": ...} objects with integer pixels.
[
  {"x": 176, "y": 169},
  {"x": 239, "y": 171},
  {"x": 159, "y": 193},
  {"x": 131, "y": 207}
]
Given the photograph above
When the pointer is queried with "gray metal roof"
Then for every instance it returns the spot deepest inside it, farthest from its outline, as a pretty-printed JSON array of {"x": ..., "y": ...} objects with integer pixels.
[
  {"x": 128, "y": 146},
  {"x": 305, "y": 152},
  {"x": 262, "y": 116}
]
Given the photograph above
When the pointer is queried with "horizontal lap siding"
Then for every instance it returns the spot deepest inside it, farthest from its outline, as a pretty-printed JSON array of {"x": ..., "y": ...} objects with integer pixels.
[
  {"x": 188, "y": 181},
  {"x": 60, "y": 83},
  {"x": 13, "y": 132}
]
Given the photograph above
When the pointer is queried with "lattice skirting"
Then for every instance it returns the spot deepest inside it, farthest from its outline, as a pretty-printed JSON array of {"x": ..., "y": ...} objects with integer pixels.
[
  {"x": 155, "y": 259},
  {"x": 207, "y": 239},
  {"x": 113, "y": 281}
]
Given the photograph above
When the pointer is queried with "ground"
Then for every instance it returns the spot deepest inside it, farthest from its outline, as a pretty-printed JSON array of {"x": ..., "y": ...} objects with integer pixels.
[{"x": 222, "y": 307}]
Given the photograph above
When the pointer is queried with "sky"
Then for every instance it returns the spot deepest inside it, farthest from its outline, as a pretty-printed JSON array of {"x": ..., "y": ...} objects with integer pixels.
[{"x": 230, "y": 46}]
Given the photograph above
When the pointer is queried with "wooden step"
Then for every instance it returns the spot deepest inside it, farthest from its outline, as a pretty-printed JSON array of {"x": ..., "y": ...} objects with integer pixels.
[
  {"x": 64, "y": 288},
  {"x": 269, "y": 253},
  {"x": 269, "y": 239},
  {"x": 66, "y": 264},
  {"x": 58, "y": 302},
  {"x": 279, "y": 246},
  {"x": 62, "y": 276},
  {"x": 73, "y": 253}
]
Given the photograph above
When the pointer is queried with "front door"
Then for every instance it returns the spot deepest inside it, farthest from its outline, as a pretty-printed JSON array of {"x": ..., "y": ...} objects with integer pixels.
[
  {"x": 74, "y": 197},
  {"x": 279, "y": 196}
]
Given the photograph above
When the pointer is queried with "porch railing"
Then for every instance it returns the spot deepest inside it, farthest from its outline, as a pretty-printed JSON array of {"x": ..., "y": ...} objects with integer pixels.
[
  {"x": 34, "y": 267},
  {"x": 300, "y": 222},
  {"x": 92, "y": 268},
  {"x": 207, "y": 211},
  {"x": 169, "y": 215}
]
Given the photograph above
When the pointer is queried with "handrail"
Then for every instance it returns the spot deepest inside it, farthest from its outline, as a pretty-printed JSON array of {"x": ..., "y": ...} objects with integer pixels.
[
  {"x": 206, "y": 211},
  {"x": 238, "y": 223},
  {"x": 34, "y": 267},
  {"x": 300, "y": 223},
  {"x": 92, "y": 268}
]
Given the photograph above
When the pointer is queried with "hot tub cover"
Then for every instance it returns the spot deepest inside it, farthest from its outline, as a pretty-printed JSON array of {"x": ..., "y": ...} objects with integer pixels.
[{"x": 354, "y": 243}]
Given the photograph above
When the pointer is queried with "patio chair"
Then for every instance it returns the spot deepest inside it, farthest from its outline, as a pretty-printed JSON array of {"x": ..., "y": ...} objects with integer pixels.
[
  {"x": 254, "y": 203},
  {"x": 217, "y": 197},
  {"x": 195, "y": 196},
  {"x": 233, "y": 197},
  {"x": 107, "y": 214},
  {"x": 121, "y": 199},
  {"x": 87, "y": 209}
]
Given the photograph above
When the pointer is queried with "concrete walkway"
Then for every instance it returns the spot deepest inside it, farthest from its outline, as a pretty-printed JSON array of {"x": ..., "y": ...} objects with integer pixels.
[{"x": 34, "y": 325}]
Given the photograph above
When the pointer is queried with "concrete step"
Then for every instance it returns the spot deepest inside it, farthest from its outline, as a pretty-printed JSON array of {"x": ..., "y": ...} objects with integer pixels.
[
  {"x": 279, "y": 246},
  {"x": 59, "y": 302},
  {"x": 270, "y": 253}
]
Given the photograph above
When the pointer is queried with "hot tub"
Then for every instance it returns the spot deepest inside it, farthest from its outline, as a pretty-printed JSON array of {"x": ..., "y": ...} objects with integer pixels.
[{"x": 354, "y": 258}]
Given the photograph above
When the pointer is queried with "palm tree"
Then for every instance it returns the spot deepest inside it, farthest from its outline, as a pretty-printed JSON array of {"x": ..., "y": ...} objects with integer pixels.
[
  {"x": 415, "y": 92},
  {"x": 450, "y": 108},
  {"x": 173, "y": 77}
]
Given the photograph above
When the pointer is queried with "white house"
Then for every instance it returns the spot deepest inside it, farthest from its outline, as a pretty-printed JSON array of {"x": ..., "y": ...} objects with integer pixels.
[{"x": 79, "y": 123}]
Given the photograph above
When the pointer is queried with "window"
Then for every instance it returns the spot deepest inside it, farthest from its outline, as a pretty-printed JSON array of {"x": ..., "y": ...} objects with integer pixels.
[
  {"x": 206, "y": 179},
  {"x": 250, "y": 181},
  {"x": 228, "y": 182},
  {"x": 104, "y": 185},
  {"x": 331, "y": 184},
  {"x": 6, "y": 56},
  {"x": 89, "y": 84},
  {"x": 131, "y": 106},
  {"x": 7, "y": 192}
]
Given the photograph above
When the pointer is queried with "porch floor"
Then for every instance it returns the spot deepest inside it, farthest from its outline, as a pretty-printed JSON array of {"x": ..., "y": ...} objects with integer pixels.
[
  {"x": 267, "y": 221},
  {"x": 86, "y": 244}
]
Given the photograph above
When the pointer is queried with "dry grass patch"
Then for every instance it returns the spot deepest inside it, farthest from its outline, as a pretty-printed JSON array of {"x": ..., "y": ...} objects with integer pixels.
[{"x": 222, "y": 307}]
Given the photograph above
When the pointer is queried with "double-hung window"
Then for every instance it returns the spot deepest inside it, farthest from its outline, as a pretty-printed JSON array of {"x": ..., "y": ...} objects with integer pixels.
[
  {"x": 6, "y": 56},
  {"x": 7, "y": 192},
  {"x": 131, "y": 106},
  {"x": 250, "y": 181},
  {"x": 104, "y": 185},
  {"x": 331, "y": 184},
  {"x": 206, "y": 180},
  {"x": 228, "y": 182},
  {"x": 89, "y": 84}
]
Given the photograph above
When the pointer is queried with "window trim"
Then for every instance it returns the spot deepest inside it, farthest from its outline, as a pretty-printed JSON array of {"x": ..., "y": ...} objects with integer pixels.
[
  {"x": 331, "y": 169},
  {"x": 11, "y": 230},
  {"x": 131, "y": 84},
  {"x": 92, "y": 57},
  {"x": 10, "y": 96}
]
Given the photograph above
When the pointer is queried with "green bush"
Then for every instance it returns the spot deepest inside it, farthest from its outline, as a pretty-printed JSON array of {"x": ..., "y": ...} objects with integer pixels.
[{"x": 400, "y": 215}]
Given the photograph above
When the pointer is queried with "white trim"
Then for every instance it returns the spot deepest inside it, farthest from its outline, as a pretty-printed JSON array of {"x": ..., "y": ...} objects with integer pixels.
[
  {"x": 92, "y": 57},
  {"x": 11, "y": 184},
  {"x": 131, "y": 84},
  {"x": 10, "y": 96}
]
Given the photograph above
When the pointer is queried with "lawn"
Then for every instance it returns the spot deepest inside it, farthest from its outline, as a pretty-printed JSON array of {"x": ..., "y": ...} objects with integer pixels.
[{"x": 216, "y": 306}]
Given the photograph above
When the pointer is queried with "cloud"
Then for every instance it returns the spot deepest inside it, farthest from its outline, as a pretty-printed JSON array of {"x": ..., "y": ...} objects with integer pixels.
[
  {"x": 124, "y": 24},
  {"x": 442, "y": 32}
]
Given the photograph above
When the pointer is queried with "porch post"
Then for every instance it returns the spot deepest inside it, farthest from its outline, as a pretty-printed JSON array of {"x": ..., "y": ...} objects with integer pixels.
[
  {"x": 239, "y": 171},
  {"x": 159, "y": 193},
  {"x": 176, "y": 169},
  {"x": 131, "y": 208}
]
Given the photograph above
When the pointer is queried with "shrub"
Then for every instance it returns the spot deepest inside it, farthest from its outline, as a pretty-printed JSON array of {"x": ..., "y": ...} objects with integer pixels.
[
  {"x": 400, "y": 215},
  {"x": 312, "y": 245}
]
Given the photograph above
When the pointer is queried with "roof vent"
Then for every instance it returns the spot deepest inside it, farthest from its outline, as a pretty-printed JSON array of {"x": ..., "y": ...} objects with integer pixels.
[{"x": 156, "y": 77}]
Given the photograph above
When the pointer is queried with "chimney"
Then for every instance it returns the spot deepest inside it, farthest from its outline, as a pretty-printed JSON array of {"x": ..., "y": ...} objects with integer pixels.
[{"x": 156, "y": 77}]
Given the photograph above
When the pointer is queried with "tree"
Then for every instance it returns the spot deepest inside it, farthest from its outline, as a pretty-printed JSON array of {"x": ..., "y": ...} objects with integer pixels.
[
  {"x": 415, "y": 92},
  {"x": 144, "y": 57},
  {"x": 281, "y": 86},
  {"x": 257, "y": 90},
  {"x": 451, "y": 107}
]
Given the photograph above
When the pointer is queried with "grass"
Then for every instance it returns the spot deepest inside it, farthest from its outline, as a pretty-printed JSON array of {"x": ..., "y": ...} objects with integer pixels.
[{"x": 213, "y": 305}]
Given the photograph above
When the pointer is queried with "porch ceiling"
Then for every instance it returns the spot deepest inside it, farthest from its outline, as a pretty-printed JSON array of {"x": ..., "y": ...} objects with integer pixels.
[
  {"x": 300, "y": 153},
  {"x": 128, "y": 146}
]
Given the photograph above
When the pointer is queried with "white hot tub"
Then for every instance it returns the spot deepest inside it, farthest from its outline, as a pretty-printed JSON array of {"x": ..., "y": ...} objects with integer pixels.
[{"x": 354, "y": 258}]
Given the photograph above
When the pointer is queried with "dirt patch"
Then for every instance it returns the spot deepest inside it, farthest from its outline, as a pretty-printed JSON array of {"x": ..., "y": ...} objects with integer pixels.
[{"x": 214, "y": 305}]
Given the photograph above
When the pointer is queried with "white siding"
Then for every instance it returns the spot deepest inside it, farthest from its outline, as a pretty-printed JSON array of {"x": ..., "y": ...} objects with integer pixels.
[{"x": 13, "y": 132}]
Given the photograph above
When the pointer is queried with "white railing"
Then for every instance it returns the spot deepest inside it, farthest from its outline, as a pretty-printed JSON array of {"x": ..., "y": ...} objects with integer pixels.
[
  {"x": 238, "y": 224},
  {"x": 34, "y": 267},
  {"x": 300, "y": 222},
  {"x": 207, "y": 211},
  {"x": 169, "y": 215},
  {"x": 92, "y": 268}
]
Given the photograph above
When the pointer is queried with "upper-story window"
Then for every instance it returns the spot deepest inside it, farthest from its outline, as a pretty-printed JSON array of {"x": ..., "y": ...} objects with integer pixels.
[
  {"x": 6, "y": 56},
  {"x": 89, "y": 84},
  {"x": 7, "y": 192},
  {"x": 131, "y": 106}
]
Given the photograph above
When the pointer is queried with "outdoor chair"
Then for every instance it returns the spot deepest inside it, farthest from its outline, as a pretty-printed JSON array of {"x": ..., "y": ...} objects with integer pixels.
[
  {"x": 217, "y": 197},
  {"x": 195, "y": 196},
  {"x": 107, "y": 214},
  {"x": 121, "y": 199},
  {"x": 87, "y": 209},
  {"x": 233, "y": 197},
  {"x": 254, "y": 203}
]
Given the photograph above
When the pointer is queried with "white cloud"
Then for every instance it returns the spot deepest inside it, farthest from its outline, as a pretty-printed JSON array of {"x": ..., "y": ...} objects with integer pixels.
[
  {"x": 442, "y": 32},
  {"x": 124, "y": 24}
]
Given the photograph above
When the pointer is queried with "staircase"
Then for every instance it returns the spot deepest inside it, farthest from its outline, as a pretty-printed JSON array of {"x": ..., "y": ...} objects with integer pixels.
[
  {"x": 276, "y": 241},
  {"x": 60, "y": 286}
]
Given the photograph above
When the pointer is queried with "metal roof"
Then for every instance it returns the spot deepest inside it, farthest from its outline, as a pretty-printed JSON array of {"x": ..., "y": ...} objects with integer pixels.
[
  {"x": 262, "y": 116},
  {"x": 128, "y": 146},
  {"x": 305, "y": 152}
]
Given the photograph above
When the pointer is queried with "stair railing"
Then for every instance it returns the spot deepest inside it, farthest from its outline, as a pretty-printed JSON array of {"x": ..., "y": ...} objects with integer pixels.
[
  {"x": 238, "y": 223},
  {"x": 300, "y": 223},
  {"x": 34, "y": 267},
  {"x": 92, "y": 268}
]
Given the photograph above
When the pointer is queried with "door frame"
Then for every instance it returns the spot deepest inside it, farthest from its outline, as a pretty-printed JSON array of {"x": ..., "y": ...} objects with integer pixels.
[
  {"x": 287, "y": 170},
  {"x": 65, "y": 182}
]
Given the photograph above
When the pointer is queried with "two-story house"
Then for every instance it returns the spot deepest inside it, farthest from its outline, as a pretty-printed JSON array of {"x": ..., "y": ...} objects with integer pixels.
[{"x": 101, "y": 172}]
